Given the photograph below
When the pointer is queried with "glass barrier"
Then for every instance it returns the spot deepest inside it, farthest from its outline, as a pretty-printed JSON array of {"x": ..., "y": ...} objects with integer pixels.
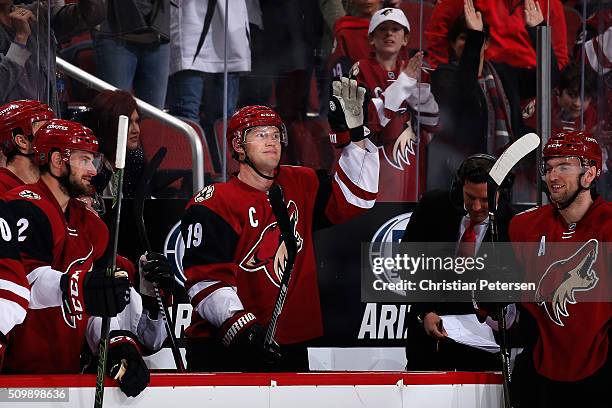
[{"x": 172, "y": 54}]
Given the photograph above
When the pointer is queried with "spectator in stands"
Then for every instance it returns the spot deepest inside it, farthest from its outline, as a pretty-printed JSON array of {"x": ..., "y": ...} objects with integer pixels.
[
  {"x": 283, "y": 56},
  {"x": 351, "y": 36},
  {"x": 131, "y": 48},
  {"x": 480, "y": 101},
  {"x": 567, "y": 105},
  {"x": 196, "y": 63},
  {"x": 104, "y": 120},
  {"x": 401, "y": 104},
  {"x": 27, "y": 66},
  {"x": 510, "y": 42},
  {"x": 331, "y": 11}
]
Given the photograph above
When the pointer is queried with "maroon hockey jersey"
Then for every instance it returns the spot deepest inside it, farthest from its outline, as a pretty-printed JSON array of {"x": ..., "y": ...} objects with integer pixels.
[
  {"x": 234, "y": 259},
  {"x": 350, "y": 44},
  {"x": 573, "y": 336},
  {"x": 8, "y": 181},
  {"x": 51, "y": 242},
  {"x": 391, "y": 116},
  {"x": 14, "y": 288}
]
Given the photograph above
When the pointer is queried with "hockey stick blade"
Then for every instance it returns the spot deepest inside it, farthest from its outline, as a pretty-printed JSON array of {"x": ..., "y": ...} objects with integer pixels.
[{"x": 512, "y": 155}]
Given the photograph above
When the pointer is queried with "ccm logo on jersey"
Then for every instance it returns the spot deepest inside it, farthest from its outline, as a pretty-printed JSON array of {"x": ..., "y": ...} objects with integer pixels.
[
  {"x": 29, "y": 194},
  {"x": 270, "y": 253},
  {"x": 564, "y": 277},
  {"x": 72, "y": 308}
]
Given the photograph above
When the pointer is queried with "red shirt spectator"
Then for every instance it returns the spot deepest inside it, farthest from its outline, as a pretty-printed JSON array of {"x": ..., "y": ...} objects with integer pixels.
[{"x": 510, "y": 41}]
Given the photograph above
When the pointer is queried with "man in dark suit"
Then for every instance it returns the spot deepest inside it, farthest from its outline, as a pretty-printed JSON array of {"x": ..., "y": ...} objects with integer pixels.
[{"x": 457, "y": 216}]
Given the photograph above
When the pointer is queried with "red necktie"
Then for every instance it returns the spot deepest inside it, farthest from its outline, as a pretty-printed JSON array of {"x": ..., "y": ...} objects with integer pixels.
[{"x": 467, "y": 245}]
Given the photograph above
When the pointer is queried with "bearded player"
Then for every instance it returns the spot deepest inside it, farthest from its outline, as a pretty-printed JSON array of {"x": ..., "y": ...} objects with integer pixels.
[
  {"x": 63, "y": 248},
  {"x": 565, "y": 247}
]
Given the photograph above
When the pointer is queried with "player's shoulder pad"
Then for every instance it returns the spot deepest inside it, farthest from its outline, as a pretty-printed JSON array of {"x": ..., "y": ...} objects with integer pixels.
[
  {"x": 208, "y": 196},
  {"x": 24, "y": 198}
]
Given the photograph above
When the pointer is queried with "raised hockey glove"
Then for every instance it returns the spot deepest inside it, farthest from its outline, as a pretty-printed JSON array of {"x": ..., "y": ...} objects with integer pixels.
[
  {"x": 246, "y": 336},
  {"x": 125, "y": 363},
  {"x": 347, "y": 112},
  {"x": 155, "y": 269},
  {"x": 94, "y": 293}
]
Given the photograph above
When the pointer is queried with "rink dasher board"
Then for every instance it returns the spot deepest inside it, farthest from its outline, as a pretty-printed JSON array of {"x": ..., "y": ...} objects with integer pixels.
[{"x": 295, "y": 390}]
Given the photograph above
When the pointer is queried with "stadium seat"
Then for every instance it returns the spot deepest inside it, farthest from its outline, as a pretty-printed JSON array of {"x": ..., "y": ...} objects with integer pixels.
[{"x": 176, "y": 167}]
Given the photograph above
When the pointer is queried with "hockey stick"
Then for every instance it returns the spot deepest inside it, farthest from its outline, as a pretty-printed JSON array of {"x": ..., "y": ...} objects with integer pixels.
[
  {"x": 143, "y": 190},
  {"x": 122, "y": 131},
  {"x": 282, "y": 218},
  {"x": 509, "y": 158}
]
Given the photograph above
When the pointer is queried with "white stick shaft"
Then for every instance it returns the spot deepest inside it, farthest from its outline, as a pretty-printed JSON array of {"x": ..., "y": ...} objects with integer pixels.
[{"x": 122, "y": 132}]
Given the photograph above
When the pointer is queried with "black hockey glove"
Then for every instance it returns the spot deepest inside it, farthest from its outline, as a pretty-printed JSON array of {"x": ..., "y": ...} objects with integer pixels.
[
  {"x": 246, "y": 337},
  {"x": 155, "y": 268},
  {"x": 92, "y": 292},
  {"x": 125, "y": 363},
  {"x": 347, "y": 112}
]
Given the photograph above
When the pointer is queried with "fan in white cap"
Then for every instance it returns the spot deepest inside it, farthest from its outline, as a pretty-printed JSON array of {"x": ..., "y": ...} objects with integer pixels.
[{"x": 388, "y": 14}]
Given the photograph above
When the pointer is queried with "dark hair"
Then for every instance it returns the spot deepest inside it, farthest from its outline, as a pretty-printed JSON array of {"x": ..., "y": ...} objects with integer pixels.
[
  {"x": 460, "y": 27},
  {"x": 570, "y": 80},
  {"x": 106, "y": 108},
  {"x": 475, "y": 170}
]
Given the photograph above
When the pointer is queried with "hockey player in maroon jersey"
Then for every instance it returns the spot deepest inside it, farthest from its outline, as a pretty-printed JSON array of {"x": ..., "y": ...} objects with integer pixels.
[
  {"x": 569, "y": 364},
  {"x": 397, "y": 95},
  {"x": 14, "y": 288},
  {"x": 234, "y": 260},
  {"x": 63, "y": 247},
  {"x": 19, "y": 120}
]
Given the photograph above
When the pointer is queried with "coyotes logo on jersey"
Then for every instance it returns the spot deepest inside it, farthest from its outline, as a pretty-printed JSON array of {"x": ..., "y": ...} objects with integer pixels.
[
  {"x": 269, "y": 252},
  {"x": 399, "y": 149},
  {"x": 564, "y": 277}
]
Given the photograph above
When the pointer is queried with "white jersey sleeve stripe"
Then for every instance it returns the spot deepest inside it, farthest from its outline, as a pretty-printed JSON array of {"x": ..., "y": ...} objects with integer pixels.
[
  {"x": 361, "y": 166},
  {"x": 352, "y": 198},
  {"x": 15, "y": 288}
]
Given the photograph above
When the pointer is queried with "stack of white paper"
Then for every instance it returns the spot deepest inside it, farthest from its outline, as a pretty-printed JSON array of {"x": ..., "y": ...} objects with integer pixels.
[{"x": 466, "y": 329}]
